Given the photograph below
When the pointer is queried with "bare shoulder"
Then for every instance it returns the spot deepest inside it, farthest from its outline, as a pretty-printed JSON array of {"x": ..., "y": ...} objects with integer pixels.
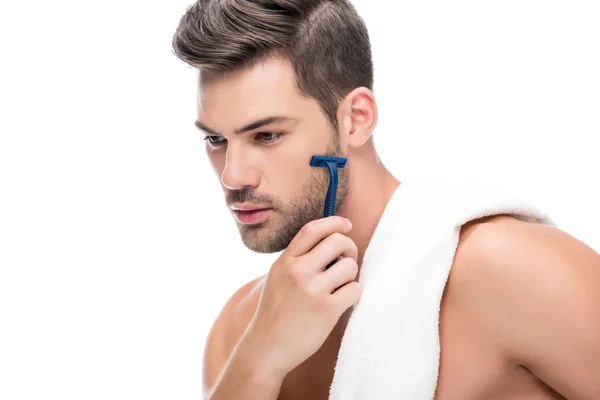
[
  {"x": 227, "y": 329},
  {"x": 535, "y": 290}
]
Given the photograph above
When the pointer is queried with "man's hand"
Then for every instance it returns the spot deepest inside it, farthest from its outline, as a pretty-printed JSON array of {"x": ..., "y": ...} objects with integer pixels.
[{"x": 301, "y": 301}]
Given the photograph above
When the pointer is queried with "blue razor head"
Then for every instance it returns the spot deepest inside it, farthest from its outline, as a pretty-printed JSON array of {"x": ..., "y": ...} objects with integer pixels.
[{"x": 321, "y": 161}]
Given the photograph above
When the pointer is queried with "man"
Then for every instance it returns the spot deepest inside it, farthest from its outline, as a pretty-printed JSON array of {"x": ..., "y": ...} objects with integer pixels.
[{"x": 282, "y": 80}]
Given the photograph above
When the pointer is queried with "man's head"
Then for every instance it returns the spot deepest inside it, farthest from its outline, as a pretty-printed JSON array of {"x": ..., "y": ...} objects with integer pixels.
[{"x": 279, "y": 81}]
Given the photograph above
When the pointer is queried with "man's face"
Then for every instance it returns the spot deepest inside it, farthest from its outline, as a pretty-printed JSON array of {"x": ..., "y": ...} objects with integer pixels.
[{"x": 268, "y": 165}]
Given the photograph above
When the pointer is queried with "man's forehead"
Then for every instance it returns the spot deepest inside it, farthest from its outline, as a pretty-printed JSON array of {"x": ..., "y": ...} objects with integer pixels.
[
  {"x": 246, "y": 98},
  {"x": 234, "y": 100},
  {"x": 243, "y": 110},
  {"x": 248, "y": 103}
]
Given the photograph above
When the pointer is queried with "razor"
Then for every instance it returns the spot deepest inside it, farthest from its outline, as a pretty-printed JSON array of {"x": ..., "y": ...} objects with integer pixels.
[{"x": 331, "y": 163}]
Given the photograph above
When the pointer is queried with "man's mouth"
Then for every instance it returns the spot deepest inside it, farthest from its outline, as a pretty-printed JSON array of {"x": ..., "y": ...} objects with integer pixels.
[{"x": 252, "y": 216}]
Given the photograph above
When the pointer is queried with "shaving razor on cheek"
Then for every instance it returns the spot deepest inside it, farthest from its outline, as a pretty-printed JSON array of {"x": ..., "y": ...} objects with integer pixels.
[{"x": 331, "y": 163}]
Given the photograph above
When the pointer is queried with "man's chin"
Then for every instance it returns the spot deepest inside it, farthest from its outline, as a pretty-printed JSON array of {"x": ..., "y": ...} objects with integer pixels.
[
  {"x": 253, "y": 237},
  {"x": 257, "y": 239}
]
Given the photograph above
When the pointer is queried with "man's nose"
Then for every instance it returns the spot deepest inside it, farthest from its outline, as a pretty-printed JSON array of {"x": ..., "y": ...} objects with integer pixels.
[{"x": 239, "y": 170}]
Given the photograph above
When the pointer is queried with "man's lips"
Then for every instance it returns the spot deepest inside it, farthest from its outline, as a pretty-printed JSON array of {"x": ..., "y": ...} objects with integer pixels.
[{"x": 252, "y": 216}]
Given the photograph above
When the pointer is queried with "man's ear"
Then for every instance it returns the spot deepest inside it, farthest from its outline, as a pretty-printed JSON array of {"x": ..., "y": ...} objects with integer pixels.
[{"x": 357, "y": 117}]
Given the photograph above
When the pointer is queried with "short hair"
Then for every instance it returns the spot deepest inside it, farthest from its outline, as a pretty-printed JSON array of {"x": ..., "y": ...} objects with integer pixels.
[{"x": 326, "y": 41}]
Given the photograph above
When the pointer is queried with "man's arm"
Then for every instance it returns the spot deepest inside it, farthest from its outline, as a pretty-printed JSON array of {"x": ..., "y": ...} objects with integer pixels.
[
  {"x": 537, "y": 290},
  {"x": 230, "y": 367}
]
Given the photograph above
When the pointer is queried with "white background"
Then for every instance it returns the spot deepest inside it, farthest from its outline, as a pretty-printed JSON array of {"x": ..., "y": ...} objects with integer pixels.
[{"x": 116, "y": 250}]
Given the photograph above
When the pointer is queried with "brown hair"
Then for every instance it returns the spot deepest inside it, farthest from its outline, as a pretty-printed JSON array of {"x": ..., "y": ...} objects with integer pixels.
[{"x": 326, "y": 41}]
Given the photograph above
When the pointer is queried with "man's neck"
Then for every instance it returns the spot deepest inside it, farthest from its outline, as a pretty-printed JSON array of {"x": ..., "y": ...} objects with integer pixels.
[{"x": 371, "y": 187}]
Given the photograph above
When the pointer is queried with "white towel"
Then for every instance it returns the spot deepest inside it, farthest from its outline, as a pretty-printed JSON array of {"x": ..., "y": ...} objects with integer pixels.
[{"x": 391, "y": 348}]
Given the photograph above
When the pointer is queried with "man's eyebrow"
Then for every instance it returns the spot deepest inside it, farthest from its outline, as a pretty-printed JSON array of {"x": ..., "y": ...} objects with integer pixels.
[{"x": 250, "y": 127}]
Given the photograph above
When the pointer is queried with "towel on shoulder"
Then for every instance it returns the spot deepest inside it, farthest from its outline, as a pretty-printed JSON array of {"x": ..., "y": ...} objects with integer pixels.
[{"x": 391, "y": 349}]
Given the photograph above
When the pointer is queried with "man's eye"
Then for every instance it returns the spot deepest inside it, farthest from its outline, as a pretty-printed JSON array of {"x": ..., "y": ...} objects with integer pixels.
[
  {"x": 269, "y": 136},
  {"x": 266, "y": 137},
  {"x": 213, "y": 139}
]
